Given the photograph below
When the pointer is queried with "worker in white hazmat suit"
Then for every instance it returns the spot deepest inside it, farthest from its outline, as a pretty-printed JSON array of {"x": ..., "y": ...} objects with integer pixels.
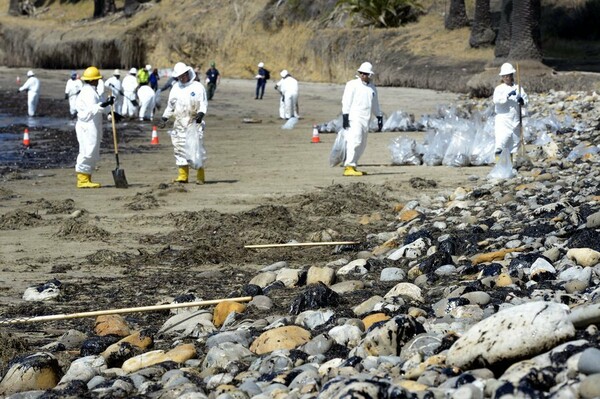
[
  {"x": 89, "y": 127},
  {"x": 130, "y": 85},
  {"x": 508, "y": 97},
  {"x": 32, "y": 87},
  {"x": 72, "y": 89},
  {"x": 359, "y": 102},
  {"x": 187, "y": 103},
  {"x": 146, "y": 102},
  {"x": 288, "y": 87},
  {"x": 114, "y": 84}
]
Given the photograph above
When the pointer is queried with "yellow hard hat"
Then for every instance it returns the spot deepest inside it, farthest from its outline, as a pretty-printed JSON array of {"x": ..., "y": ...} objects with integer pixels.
[{"x": 91, "y": 73}]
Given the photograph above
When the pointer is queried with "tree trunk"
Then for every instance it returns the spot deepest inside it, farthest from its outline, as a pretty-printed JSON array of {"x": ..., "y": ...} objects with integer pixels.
[
  {"x": 104, "y": 7},
  {"x": 482, "y": 33},
  {"x": 526, "y": 39},
  {"x": 457, "y": 15},
  {"x": 13, "y": 7},
  {"x": 503, "y": 39}
]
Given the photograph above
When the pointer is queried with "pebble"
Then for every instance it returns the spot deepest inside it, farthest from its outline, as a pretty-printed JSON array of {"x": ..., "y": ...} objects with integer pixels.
[{"x": 471, "y": 292}]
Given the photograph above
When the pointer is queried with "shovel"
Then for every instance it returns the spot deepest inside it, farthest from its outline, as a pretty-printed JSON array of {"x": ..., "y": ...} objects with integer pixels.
[
  {"x": 521, "y": 159},
  {"x": 118, "y": 174}
]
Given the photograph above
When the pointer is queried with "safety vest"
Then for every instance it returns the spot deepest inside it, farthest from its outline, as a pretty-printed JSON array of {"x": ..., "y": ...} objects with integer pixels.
[{"x": 143, "y": 76}]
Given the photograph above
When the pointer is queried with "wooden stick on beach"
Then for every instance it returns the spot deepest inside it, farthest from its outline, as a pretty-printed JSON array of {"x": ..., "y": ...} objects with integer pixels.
[
  {"x": 34, "y": 319},
  {"x": 302, "y": 244}
]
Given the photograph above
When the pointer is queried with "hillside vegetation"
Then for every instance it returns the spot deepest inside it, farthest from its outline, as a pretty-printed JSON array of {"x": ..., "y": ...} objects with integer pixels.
[{"x": 306, "y": 38}]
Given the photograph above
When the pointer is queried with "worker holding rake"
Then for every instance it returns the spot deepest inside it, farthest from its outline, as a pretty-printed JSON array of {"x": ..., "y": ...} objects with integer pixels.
[
  {"x": 89, "y": 127},
  {"x": 508, "y": 98}
]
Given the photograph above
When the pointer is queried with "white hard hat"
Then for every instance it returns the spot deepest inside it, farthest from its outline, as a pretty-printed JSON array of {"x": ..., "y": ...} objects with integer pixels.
[
  {"x": 284, "y": 73},
  {"x": 148, "y": 67},
  {"x": 30, "y": 73},
  {"x": 506, "y": 69},
  {"x": 179, "y": 69},
  {"x": 133, "y": 71},
  {"x": 261, "y": 64},
  {"x": 117, "y": 72},
  {"x": 366, "y": 67}
]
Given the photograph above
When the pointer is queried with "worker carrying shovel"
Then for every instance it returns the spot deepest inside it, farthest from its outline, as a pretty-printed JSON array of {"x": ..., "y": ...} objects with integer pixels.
[
  {"x": 89, "y": 127},
  {"x": 508, "y": 100}
]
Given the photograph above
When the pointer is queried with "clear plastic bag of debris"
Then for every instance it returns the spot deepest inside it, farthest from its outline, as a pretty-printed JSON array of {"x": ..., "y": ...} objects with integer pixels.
[
  {"x": 459, "y": 149},
  {"x": 290, "y": 123},
  {"x": 400, "y": 122},
  {"x": 436, "y": 146},
  {"x": 504, "y": 168},
  {"x": 405, "y": 151},
  {"x": 338, "y": 151},
  {"x": 194, "y": 145}
]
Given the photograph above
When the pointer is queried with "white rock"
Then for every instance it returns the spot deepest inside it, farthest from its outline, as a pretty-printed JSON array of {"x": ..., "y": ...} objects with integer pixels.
[
  {"x": 84, "y": 368},
  {"x": 346, "y": 335},
  {"x": 411, "y": 251},
  {"x": 392, "y": 274},
  {"x": 356, "y": 267},
  {"x": 586, "y": 257},
  {"x": 406, "y": 290},
  {"x": 520, "y": 331},
  {"x": 312, "y": 319}
]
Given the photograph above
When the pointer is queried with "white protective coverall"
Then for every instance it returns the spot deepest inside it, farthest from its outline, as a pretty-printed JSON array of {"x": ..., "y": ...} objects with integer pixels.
[
  {"x": 506, "y": 123},
  {"x": 146, "y": 99},
  {"x": 288, "y": 106},
  {"x": 32, "y": 86},
  {"x": 100, "y": 89},
  {"x": 130, "y": 84},
  {"x": 88, "y": 129},
  {"x": 359, "y": 101},
  {"x": 185, "y": 101},
  {"x": 72, "y": 89},
  {"x": 114, "y": 84}
]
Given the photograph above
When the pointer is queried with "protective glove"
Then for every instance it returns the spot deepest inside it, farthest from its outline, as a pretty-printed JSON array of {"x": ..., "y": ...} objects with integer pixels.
[
  {"x": 512, "y": 93},
  {"x": 163, "y": 122},
  {"x": 199, "y": 117},
  {"x": 345, "y": 121},
  {"x": 118, "y": 117},
  {"x": 66, "y": 96},
  {"x": 379, "y": 123},
  {"x": 520, "y": 100},
  {"x": 109, "y": 101},
  {"x": 18, "y": 91}
]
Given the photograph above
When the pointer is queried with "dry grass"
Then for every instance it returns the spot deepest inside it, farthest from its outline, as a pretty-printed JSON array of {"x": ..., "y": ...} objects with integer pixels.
[
  {"x": 429, "y": 38},
  {"x": 234, "y": 35}
]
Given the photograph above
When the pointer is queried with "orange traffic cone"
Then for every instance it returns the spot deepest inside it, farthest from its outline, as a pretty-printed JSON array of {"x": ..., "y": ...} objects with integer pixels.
[
  {"x": 154, "y": 136},
  {"x": 26, "y": 141},
  {"x": 315, "y": 136}
]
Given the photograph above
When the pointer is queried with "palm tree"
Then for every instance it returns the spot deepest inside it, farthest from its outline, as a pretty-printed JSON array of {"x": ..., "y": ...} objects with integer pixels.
[
  {"x": 482, "y": 33},
  {"x": 13, "y": 7},
  {"x": 503, "y": 39},
  {"x": 525, "y": 39},
  {"x": 457, "y": 15}
]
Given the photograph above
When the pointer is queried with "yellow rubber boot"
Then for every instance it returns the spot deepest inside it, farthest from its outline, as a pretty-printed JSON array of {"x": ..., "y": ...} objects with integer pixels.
[
  {"x": 351, "y": 171},
  {"x": 184, "y": 172},
  {"x": 85, "y": 181},
  {"x": 200, "y": 176}
]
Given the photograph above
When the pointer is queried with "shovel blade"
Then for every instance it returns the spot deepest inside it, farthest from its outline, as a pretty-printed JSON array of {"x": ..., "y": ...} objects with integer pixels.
[{"x": 119, "y": 177}]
